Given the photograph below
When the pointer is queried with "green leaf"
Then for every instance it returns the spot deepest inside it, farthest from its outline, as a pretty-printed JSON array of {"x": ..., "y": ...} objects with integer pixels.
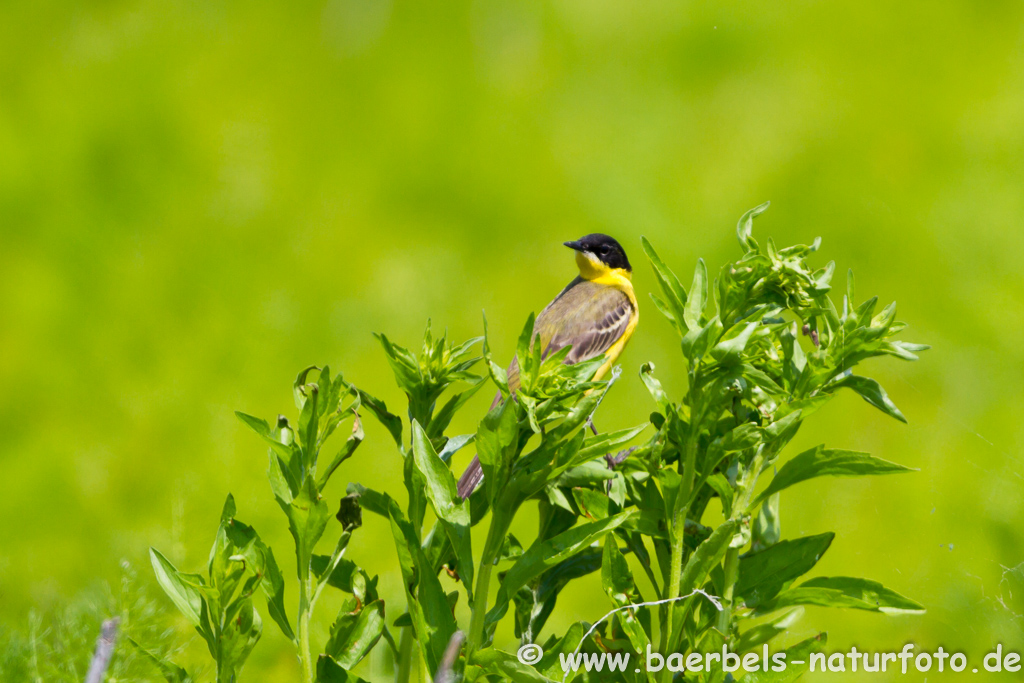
[
  {"x": 783, "y": 429},
  {"x": 618, "y": 583},
  {"x": 592, "y": 504},
  {"x": 346, "y": 451},
  {"x": 763, "y": 574},
  {"x": 762, "y": 633},
  {"x": 511, "y": 549},
  {"x": 256, "y": 424},
  {"x": 535, "y": 602},
  {"x": 806, "y": 407},
  {"x": 663, "y": 308},
  {"x": 590, "y": 474},
  {"x": 695, "y": 305},
  {"x": 297, "y": 386},
  {"x": 707, "y": 555},
  {"x": 820, "y": 462},
  {"x": 329, "y": 671},
  {"x": 347, "y": 576},
  {"x": 450, "y": 508},
  {"x": 745, "y": 228},
  {"x": 308, "y": 515},
  {"x": 550, "y": 664},
  {"x": 403, "y": 364},
  {"x": 454, "y": 445},
  {"x": 374, "y": 501},
  {"x": 241, "y": 628},
  {"x": 766, "y": 529},
  {"x": 507, "y": 666},
  {"x": 284, "y": 451},
  {"x": 653, "y": 385},
  {"x": 432, "y": 618},
  {"x": 180, "y": 588},
  {"x": 528, "y": 365},
  {"x": 670, "y": 481},
  {"x": 496, "y": 441},
  {"x": 871, "y": 391},
  {"x": 696, "y": 342},
  {"x": 730, "y": 349},
  {"x": 443, "y": 417},
  {"x": 762, "y": 380},
  {"x": 354, "y": 635},
  {"x": 545, "y": 554},
  {"x": 325, "y": 385},
  {"x": 740, "y": 438},
  {"x": 391, "y": 422},
  {"x": 273, "y": 588},
  {"x": 842, "y": 591},
  {"x": 171, "y": 672},
  {"x": 903, "y": 350},
  {"x": 616, "y": 577},
  {"x": 720, "y": 485},
  {"x": 674, "y": 293},
  {"x": 284, "y": 479},
  {"x": 596, "y": 446},
  {"x": 309, "y": 424}
]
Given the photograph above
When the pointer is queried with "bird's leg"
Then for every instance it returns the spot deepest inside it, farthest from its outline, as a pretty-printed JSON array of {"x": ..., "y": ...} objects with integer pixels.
[{"x": 590, "y": 423}]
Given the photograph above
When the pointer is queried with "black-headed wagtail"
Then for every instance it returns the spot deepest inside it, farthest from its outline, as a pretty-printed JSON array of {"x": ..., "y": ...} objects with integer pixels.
[{"x": 596, "y": 313}]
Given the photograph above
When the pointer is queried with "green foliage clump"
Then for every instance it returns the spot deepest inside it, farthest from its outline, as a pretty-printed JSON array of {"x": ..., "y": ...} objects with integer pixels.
[
  {"x": 773, "y": 350},
  {"x": 220, "y": 605},
  {"x": 764, "y": 347}
]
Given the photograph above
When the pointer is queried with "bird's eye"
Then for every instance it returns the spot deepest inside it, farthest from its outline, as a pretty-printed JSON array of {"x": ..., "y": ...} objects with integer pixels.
[{"x": 605, "y": 249}]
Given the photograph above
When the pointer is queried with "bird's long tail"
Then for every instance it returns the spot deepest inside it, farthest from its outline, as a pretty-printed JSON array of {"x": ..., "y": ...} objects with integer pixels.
[
  {"x": 471, "y": 478},
  {"x": 474, "y": 474}
]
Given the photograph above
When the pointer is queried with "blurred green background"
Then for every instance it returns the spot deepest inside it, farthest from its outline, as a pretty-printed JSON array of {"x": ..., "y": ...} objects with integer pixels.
[{"x": 197, "y": 199}]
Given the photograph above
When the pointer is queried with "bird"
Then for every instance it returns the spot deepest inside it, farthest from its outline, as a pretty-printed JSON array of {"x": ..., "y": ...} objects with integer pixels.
[{"x": 596, "y": 314}]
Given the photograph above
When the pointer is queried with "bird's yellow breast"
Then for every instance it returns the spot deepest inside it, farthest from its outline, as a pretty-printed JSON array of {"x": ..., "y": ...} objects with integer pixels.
[{"x": 597, "y": 272}]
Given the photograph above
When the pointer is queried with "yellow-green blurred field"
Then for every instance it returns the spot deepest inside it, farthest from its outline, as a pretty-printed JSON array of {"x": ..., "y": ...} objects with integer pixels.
[{"x": 197, "y": 199}]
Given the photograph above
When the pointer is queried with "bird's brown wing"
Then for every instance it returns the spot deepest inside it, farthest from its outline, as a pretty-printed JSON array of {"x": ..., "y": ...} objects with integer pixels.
[{"x": 588, "y": 316}]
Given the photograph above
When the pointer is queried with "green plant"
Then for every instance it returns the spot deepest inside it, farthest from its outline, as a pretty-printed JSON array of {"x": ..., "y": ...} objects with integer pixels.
[
  {"x": 219, "y": 605},
  {"x": 773, "y": 351},
  {"x": 534, "y": 447},
  {"x": 764, "y": 347},
  {"x": 297, "y": 480}
]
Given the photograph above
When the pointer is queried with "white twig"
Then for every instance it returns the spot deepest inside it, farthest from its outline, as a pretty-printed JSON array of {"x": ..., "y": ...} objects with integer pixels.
[
  {"x": 104, "y": 651},
  {"x": 616, "y": 372},
  {"x": 713, "y": 599}
]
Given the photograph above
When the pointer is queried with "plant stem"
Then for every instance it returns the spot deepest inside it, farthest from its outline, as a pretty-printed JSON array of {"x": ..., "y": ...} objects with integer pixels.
[
  {"x": 404, "y": 670},
  {"x": 339, "y": 552},
  {"x": 476, "y": 622},
  {"x": 732, "y": 555},
  {"x": 305, "y": 655},
  {"x": 495, "y": 536},
  {"x": 731, "y": 571},
  {"x": 679, "y": 536}
]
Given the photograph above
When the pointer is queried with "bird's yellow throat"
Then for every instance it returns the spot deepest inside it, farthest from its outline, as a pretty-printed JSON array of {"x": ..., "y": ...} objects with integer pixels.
[{"x": 595, "y": 270}]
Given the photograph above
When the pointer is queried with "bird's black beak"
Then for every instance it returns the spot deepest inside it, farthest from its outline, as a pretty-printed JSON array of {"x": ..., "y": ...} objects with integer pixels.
[{"x": 575, "y": 244}]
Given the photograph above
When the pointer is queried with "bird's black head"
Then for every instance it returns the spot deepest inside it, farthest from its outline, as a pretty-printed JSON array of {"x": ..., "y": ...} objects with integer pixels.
[{"x": 604, "y": 248}]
